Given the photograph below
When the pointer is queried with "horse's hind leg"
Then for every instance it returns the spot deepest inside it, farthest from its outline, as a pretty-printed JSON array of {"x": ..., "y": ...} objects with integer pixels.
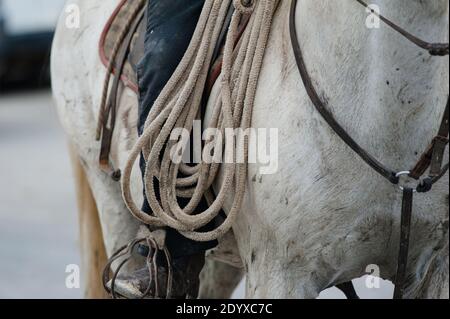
[
  {"x": 93, "y": 253},
  {"x": 219, "y": 280}
]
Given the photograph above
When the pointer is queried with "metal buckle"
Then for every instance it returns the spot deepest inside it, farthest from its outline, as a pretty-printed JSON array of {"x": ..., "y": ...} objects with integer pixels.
[{"x": 405, "y": 173}]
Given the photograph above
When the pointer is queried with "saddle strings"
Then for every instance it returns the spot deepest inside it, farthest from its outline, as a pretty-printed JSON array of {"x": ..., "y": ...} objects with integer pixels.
[
  {"x": 134, "y": 12},
  {"x": 179, "y": 105}
]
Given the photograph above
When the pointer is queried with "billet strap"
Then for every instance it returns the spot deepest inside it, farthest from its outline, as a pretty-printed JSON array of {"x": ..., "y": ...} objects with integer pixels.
[
  {"x": 434, "y": 155},
  {"x": 440, "y": 143}
]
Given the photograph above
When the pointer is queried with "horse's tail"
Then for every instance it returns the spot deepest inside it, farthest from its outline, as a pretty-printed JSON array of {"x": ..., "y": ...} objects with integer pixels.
[{"x": 93, "y": 252}]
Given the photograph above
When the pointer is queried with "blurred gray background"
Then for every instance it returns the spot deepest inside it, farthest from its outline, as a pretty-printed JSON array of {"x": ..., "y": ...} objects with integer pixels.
[{"x": 38, "y": 220}]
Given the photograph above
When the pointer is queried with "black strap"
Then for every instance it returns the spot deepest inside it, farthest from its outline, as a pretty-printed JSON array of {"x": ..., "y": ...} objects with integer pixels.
[
  {"x": 348, "y": 289},
  {"x": 405, "y": 231},
  {"x": 435, "y": 49}
]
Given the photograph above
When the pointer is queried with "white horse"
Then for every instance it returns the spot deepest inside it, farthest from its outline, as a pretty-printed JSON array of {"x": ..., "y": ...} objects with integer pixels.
[{"x": 325, "y": 215}]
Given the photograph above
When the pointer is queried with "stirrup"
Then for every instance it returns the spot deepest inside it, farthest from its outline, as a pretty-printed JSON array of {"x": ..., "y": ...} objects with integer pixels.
[{"x": 156, "y": 246}]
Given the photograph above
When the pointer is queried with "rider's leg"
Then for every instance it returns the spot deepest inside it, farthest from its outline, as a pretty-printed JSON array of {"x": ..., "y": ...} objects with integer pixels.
[{"x": 170, "y": 26}]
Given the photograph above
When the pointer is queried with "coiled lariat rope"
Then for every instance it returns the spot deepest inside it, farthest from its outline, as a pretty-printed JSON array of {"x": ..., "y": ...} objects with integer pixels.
[{"x": 179, "y": 105}]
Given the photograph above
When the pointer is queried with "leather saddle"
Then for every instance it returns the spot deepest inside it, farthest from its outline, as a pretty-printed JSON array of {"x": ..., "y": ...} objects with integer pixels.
[{"x": 135, "y": 50}]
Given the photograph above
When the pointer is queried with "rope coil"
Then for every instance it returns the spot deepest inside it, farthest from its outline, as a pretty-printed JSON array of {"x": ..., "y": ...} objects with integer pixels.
[{"x": 179, "y": 105}]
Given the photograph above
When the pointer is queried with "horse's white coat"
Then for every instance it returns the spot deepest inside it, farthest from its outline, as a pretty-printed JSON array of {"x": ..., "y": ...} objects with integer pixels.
[
  {"x": 325, "y": 215},
  {"x": 78, "y": 76}
]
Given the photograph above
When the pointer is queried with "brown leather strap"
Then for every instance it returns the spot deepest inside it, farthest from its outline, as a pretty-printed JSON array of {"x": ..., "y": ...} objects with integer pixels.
[
  {"x": 405, "y": 231},
  {"x": 440, "y": 143},
  {"x": 435, "y": 49},
  {"x": 111, "y": 106},
  {"x": 434, "y": 155},
  {"x": 424, "y": 163}
]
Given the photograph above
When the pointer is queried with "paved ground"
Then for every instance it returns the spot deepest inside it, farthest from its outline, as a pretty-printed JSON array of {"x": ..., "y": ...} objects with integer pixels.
[{"x": 38, "y": 221}]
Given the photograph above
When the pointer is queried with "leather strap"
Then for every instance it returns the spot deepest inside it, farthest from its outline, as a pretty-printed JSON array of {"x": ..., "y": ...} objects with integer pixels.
[
  {"x": 440, "y": 143},
  {"x": 435, "y": 49},
  {"x": 405, "y": 231},
  {"x": 111, "y": 106},
  {"x": 434, "y": 155},
  {"x": 348, "y": 289}
]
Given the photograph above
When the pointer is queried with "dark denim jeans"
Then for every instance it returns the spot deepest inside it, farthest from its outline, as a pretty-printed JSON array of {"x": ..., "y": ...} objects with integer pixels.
[{"x": 170, "y": 26}]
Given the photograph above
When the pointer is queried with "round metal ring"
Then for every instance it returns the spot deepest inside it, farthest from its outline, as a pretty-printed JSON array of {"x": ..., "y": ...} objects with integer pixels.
[{"x": 404, "y": 173}]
